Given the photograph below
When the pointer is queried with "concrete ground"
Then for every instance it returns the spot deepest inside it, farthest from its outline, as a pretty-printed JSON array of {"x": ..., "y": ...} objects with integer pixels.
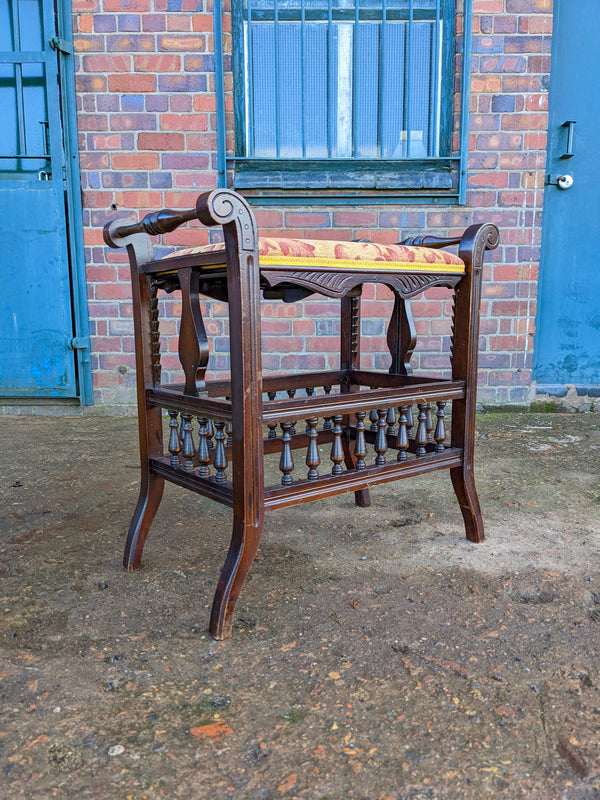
[{"x": 377, "y": 654}]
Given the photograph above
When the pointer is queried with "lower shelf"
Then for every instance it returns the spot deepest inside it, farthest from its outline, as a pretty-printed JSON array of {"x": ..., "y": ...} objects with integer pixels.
[{"x": 305, "y": 491}]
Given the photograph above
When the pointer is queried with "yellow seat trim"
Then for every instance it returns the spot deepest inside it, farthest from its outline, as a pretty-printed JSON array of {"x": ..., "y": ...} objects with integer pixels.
[{"x": 361, "y": 264}]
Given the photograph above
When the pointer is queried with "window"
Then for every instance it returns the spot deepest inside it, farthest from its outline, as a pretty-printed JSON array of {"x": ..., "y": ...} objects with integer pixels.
[
  {"x": 344, "y": 95},
  {"x": 24, "y": 133}
]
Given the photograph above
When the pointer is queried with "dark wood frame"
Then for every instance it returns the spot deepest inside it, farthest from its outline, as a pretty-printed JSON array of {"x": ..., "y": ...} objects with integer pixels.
[{"x": 239, "y": 406}]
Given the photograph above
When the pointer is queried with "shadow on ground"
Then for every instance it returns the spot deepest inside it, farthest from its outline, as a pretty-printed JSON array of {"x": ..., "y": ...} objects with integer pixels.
[{"x": 377, "y": 654}]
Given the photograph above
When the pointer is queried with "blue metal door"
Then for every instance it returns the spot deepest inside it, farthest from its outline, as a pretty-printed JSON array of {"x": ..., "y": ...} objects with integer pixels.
[
  {"x": 36, "y": 313},
  {"x": 567, "y": 342}
]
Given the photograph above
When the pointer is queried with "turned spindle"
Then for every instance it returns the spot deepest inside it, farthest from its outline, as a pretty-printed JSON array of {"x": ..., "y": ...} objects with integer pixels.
[
  {"x": 360, "y": 445},
  {"x": 373, "y": 417},
  {"x": 220, "y": 456},
  {"x": 440, "y": 430},
  {"x": 381, "y": 445},
  {"x": 286, "y": 462},
  {"x": 429, "y": 422},
  {"x": 421, "y": 437},
  {"x": 203, "y": 451},
  {"x": 391, "y": 421},
  {"x": 210, "y": 432},
  {"x": 174, "y": 440},
  {"x": 312, "y": 453},
  {"x": 402, "y": 440},
  {"x": 409, "y": 419},
  {"x": 337, "y": 451},
  {"x": 188, "y": 451}
]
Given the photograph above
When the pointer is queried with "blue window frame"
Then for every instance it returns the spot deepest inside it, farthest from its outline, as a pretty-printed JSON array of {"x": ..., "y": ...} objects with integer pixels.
[{"x": 345, "y": 96}]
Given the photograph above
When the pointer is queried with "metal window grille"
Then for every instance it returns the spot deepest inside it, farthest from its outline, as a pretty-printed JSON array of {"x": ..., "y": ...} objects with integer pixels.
[
  {"x": 343, "y": 79},
  {"x": 24, "y": 134}
]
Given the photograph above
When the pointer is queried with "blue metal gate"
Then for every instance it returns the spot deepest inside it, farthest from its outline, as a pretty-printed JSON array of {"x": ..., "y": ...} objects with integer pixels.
[
  {"x": 38, "y": 331},
  {"x": 567, "y": 343}
]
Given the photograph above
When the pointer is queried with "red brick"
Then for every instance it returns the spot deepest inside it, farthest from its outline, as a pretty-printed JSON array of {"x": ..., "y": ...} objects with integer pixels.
[
  {"x": 488, "y": 6},
  {"x": 524, "y": 122},
  {"x": 179, "y": 22},
  {"x": 304, "y": 327},
  {"x": 283, "y": 344},
  {"x": 490, "y": 179},
  {"x": 278, "y": 327},
  {"x": 529, "y": 6},
  {"x": 202, "y": 22},
  {"x": 205, "y": 102},
  {"x": 129, "y": 161},
  {"x": 355, "y": 219},
  {"x": 303, "y": 219},
  {"x": 126, "y": 5},
  {"x": 183, "y": 122},
  {"x": 161, "y": 141},
  {"x": 106, "y": 63},
  {"x": 132, "y": 83},
  {"x": 157, "y": 63},
  {"x": 185, "y": 44},
  {"x": 112, "y": 291},
  {"x": 88, "y": 44}
]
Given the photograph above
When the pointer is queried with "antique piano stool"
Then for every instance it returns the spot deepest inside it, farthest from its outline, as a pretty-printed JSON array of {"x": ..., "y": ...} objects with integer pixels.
[{"x": 374, "y": 426}]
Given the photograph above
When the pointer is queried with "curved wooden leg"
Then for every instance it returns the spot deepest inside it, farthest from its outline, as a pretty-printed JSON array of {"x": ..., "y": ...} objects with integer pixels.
[
  {"x": 148, "y": 502},
  {"x": 466, "y": 493},
  {"x": 242, "y": 550}
]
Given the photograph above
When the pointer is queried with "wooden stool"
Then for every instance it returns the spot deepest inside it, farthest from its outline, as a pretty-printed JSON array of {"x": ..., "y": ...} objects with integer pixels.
[{"x": 216, "y": 439}]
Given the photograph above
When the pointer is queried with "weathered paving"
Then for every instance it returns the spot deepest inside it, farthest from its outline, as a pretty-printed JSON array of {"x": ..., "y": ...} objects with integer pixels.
[{"x": 377, "y": 654}]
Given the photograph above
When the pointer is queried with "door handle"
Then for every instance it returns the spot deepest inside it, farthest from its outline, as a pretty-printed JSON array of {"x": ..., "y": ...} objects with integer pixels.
[{"x": 570, "y": 125}]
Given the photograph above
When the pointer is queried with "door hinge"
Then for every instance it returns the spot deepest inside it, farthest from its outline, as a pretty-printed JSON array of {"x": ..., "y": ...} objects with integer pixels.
[
  {"x": 61, "y": 46},
  {"x": 80, "y": 343}
]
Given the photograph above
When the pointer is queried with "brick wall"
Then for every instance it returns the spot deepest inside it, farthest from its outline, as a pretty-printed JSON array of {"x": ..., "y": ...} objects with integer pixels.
[{"x": 147, "y": 124}]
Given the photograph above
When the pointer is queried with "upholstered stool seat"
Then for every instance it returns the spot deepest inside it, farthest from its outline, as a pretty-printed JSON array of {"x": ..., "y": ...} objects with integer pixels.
[
  {"x": 323, "y": 253},
  {"x": 354, "y": 428}
]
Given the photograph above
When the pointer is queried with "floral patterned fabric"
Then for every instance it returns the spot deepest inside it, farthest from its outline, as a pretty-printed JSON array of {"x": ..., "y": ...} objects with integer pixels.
[{"x": 275, "y": 252}]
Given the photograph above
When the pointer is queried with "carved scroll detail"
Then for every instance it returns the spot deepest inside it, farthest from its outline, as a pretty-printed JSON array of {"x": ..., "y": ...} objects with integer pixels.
[{"x": 337, "y": 284}]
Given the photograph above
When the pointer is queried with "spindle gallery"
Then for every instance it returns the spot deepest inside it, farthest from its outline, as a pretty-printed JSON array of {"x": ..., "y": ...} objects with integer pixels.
[{"x": 333, "y": 431}]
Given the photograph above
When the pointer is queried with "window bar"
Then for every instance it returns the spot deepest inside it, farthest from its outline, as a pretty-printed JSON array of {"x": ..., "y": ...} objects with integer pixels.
[
  {"x": 302, "y": 72},
  {"x": 330, "y": 110},
  {"x": 409, "y": 46},
  {"x": 354, "y": 71},
  {"x": 434, "y": 120},
  {"x": 464, "y": 100},
  {"x": 220, "y": 93},
  {"x": 381, "y": 104},
  {"x": 276, "y": 45},
  {"x": 250, "y": 72},
  {"x": 19, "y": 81}
]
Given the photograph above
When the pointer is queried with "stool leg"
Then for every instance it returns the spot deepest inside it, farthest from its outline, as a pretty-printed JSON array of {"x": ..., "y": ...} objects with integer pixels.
[
  {"x": 242, "y": 550},
  {"x": 147, "y": 506},
  {"x": 465, "y": 343},
  {"x": 362, "y": 497},
  {"x": 466, "y": 493},
  {"x": 151, "y": 489},
  {"x": 350, "y": 360}
]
